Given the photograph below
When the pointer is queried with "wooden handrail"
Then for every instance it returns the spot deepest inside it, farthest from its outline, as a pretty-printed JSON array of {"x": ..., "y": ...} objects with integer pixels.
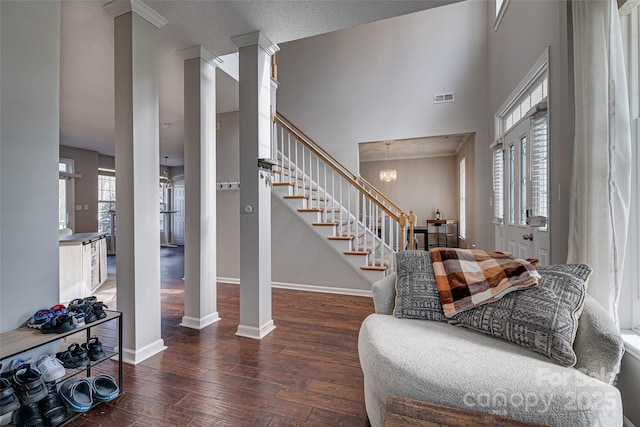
[
  {"x": 326, "y": 155},
  {"x": 320, "y": 152}
]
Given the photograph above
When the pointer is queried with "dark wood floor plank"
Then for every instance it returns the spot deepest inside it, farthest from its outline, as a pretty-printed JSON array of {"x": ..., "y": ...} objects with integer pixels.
[
  {"x": 325, "y": 417},
  {"x": 305, "y": 373}
]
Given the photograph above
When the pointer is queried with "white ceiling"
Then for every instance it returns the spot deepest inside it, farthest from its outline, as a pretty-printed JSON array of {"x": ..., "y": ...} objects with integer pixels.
[
  {"x": 86, "y": 57},
  {"x": 414, "y": 148}
]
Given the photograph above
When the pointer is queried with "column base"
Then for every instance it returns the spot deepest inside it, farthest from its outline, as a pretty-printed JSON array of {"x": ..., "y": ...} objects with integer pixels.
[
  {"x": 133, "y": 357},
  {"x": 255, "y": 333},
  {"x": 199, "y": 323}
]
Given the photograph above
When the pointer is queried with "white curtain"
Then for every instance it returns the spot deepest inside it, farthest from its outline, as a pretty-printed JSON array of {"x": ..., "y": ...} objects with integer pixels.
[{"x": 601, "y": 179}]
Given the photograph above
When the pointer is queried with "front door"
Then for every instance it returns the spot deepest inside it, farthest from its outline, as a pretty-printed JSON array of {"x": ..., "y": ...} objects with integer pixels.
[{"x": 518, "y": 237}]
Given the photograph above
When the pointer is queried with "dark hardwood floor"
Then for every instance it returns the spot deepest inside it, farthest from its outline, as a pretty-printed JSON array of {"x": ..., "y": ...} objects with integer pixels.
[{"x": 304, "y": 373}]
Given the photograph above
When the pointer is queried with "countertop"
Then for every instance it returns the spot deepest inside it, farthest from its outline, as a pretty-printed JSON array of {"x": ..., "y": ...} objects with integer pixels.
[{"x": 81, "y": 238}]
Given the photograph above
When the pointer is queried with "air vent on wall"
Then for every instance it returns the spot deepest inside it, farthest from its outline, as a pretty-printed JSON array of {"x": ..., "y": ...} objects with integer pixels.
[{"x": 439, "y": 98}]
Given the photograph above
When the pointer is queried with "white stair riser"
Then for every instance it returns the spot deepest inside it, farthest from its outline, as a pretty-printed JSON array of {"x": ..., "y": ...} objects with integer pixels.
[
  {"x": 283, "y": 190},
  {"x": 311, "y": 217},
  {"x": 297, "y": 203},
  {"x": 341, "y": 245},
  {"x": 326, "y": 231},
  {"x": 358, "y": 260}
]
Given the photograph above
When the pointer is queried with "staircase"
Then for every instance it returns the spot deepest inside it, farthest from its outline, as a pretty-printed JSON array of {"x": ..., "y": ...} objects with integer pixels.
[{"x": 354, "y": 218}]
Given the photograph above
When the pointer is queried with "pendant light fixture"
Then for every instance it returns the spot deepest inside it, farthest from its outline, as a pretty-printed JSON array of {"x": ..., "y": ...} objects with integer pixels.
[
  {"x": 388, "y": 175},
  {"x": 165, "y": 181}
]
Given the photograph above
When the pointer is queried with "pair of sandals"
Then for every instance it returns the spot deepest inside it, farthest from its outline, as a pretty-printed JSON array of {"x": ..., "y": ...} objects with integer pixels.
[
  {"x": 79, "y": 355},
  {"x": 42, "y": 317},
  {"x": 80, "y": 393},
  {"x": 90, "y": 307}
]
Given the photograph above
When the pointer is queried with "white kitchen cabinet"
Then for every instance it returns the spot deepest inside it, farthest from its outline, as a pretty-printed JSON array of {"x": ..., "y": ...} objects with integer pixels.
[{"x": 83, "y": 264}]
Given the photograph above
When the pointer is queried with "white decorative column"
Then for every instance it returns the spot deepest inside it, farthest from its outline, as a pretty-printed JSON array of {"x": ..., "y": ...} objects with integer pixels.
[
  {"x": 137, "y": 171},
  {"x": 200, "y": 187},
  {"x": 255, "y": 193}
]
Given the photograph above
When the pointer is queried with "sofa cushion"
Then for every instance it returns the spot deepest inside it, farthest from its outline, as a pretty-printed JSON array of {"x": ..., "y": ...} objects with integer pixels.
[
  {"x": 543, "y": 319},
  {"x": 439, "y": 363},
  {"x": 416, "y": 290}
]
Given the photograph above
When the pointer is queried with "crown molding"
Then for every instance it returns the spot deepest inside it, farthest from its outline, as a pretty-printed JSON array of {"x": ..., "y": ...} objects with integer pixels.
[
  {"x": 119, "y": 7},
  {"x": 200, "y": 52},
  {"x": 254, "y": 38}
]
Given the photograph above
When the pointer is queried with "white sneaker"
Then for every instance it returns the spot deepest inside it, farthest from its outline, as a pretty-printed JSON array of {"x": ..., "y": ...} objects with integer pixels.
[{"x": 50, "y": 367}]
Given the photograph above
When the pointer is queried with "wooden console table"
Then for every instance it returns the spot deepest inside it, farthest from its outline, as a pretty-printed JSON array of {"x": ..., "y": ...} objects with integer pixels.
[{"x": 403, "y": 412}]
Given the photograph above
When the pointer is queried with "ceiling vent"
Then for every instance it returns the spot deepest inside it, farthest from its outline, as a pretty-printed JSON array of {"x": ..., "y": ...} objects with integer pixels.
[{"x": 439, "y": 98}]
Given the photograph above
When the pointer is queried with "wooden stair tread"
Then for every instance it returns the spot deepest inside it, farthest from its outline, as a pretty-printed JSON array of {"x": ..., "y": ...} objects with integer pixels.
[
  {"x": 310, "y": 210},
  {"x": 325, "y": 224},
  {"x": 295, "y": 197},
  {"x": 341, "y": 237},
  {"x": 356, "y": 252},
  {"x": 282, "y": 184},
  {"x": 374, "y": 267}
]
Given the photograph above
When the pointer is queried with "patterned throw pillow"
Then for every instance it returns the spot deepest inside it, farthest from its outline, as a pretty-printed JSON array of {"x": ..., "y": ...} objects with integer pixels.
[
  {"x": 543, "y": 319},
  {"x": 416, "y": 290}
]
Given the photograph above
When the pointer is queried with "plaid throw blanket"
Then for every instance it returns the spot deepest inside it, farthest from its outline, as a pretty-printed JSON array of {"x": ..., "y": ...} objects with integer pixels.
[{"x": 468, "y": 278}]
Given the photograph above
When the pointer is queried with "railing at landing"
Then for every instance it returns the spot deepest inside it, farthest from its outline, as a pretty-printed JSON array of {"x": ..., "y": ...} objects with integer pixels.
[{"x": 360, "y": 211}]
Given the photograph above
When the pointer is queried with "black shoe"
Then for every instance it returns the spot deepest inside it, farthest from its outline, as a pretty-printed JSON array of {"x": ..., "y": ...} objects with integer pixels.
[
  {"x": 51, "y": 407},
  {"x": 98, "y": 309},
  {"x": 8, "y": 400},
  {"x": 29, "y": 384},
  {"x": 28, "y": 416},
  {"x": 75, "y": 356},
  {"x": 94, "y": 348},
  {"x": 59, "y": 324}
]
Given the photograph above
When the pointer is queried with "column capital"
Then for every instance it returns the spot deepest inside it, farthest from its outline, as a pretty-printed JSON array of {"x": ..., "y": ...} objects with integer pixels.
[
  {"x": 119, "y": 7},
  {"x": 253, "y": 38},
  {"x": 200, "y": 52}
]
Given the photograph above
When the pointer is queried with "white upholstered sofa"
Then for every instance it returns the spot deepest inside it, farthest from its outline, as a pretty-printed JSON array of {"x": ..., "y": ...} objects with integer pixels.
[{"x": 449, "y": 365}]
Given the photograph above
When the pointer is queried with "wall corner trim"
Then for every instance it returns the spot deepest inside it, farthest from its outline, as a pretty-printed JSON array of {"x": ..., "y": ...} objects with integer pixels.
[
  {"x": 254, "y": 38},
  {"x": 200, "y": 52},
  {"x": 119, "y": 7}
]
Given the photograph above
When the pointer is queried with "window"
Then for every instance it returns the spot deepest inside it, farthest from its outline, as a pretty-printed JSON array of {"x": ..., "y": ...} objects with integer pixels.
[
  {"x": 498, "y": 184},
  {"x": 66, "y": 194},
  {"x": 463, "y": 220},
  {"x": 630, "y": 292},
  {"x": 523, "y": 181},
  {"x": 106, "y": 200},
  {"x": 539, "y": 166},
  {"x": 512, "y": 184}
]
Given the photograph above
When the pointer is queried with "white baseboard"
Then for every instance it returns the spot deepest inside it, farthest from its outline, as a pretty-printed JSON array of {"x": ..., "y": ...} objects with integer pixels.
[
  {"x": 255, "y": 333},
  {"x": 133, "y": 357},
  {"x": 199, "y": 323},
  {"x": 627, "y": 423},
  {"x": 307, "y": 288},
  {"x": 323, "y": 289}
]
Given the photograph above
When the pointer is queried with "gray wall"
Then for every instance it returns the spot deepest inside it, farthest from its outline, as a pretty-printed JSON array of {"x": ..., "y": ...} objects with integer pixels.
[
  {"x": 29, "y": 132},
  {"x": 529, "y": 27},
  {"x": 377, "y": 81},
  {"x": 468, "y": 153},
  {"x": 299, "y": 256},
  {"x": 423, "y": 185},
  {"x": 86, "y": 164}
]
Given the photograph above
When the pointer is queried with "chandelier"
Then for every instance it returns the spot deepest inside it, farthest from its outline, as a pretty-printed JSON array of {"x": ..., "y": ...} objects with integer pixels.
[
  {"x": 165, "y": 180},
  {"x": 388, "y": 175}
]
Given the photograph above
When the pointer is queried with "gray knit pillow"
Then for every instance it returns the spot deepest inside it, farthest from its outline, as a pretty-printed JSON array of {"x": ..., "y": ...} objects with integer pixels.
[
  {"x": 416, "y": 290},
  {"x": 543, "y": 319}
]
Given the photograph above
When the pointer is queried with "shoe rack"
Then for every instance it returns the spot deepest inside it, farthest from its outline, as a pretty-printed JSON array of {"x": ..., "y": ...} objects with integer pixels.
[{"x": 14, "y": 343}]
